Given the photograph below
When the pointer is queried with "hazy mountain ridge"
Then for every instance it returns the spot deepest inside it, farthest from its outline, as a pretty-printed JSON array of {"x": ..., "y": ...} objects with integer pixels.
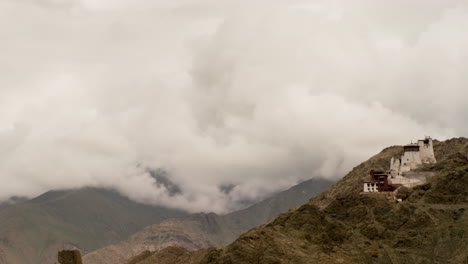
[
  {"x": 206, "y": 230},
  {"x": 88, "y": 218},
  {"x": 12, "y": 201},
  {"x": 342, "y": 226}
]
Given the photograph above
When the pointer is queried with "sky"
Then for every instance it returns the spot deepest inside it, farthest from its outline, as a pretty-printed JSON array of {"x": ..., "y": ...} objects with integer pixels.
[{"x": 231, "y": 100}]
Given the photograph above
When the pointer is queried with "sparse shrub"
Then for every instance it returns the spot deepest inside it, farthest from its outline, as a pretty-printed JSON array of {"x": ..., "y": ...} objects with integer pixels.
[
  {"x": 403, "y": 193},
  {"x": 370, "y": 231},
  {"x": 425, "y": 187},
  {"x": 69, "y": 257}
]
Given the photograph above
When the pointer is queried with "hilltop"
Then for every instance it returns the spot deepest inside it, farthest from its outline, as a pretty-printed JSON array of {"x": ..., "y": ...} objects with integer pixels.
[{"x": 429, "y": 225}]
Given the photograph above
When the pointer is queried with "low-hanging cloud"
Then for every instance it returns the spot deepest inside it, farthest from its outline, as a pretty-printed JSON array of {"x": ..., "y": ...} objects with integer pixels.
[{"x": 233, "y": 100}]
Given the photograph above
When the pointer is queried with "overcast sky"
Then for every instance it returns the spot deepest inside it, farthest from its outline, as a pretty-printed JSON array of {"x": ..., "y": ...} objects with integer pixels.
[{"x": 254, "y": 94}]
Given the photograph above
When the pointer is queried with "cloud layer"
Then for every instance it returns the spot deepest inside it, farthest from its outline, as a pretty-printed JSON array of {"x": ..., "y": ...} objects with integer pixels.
[{"x": 255, "y": 95}]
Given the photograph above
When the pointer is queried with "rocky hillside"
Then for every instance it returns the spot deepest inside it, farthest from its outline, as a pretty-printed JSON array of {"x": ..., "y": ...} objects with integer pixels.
[
  {"x": 430, "y": 225},
  {"x": 206, "y": 230},
  {"x": 31, "y": 232}
]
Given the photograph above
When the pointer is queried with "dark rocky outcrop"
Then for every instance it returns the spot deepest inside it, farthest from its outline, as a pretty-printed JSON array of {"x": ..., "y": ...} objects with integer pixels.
[{"x": 69, "y": 257}]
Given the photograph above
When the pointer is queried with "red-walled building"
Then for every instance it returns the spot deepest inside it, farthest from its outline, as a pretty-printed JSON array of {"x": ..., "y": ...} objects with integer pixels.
[{"x": 378, "y": 183}]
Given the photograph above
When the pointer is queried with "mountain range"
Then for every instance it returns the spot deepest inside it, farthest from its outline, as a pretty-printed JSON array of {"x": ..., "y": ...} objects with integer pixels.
[
  {"x": 202, "y": 230},
  {"x": 32, "y": 231}
]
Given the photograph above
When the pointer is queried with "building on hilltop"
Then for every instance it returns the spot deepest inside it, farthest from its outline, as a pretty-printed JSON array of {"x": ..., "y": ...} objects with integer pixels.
[
  {"x": 401, "y": 170},
  {"x": 413, "y": 156}
]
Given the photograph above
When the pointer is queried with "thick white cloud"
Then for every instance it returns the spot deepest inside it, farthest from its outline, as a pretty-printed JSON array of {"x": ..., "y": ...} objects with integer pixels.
[{"x": 256, "y": 94}]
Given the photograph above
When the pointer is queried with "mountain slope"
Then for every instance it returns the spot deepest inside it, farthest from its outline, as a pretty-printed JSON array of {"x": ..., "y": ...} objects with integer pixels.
[
  {"x": 205, "y": 230},
  {"x": 430, "y": 225},
  {"x": 12, "y": 201},
  {"x": 89, "y": 218}
]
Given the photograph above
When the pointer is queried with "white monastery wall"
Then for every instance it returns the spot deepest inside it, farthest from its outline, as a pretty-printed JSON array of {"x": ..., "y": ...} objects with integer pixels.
[
  {"x": 410, "y": 161},
  {"x": 426, "y": 151}
]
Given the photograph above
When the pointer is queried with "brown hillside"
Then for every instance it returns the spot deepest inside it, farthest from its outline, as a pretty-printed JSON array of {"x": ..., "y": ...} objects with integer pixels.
[
  {"x": 201, "y": 230},
  {"x": 430, "y": 225}
]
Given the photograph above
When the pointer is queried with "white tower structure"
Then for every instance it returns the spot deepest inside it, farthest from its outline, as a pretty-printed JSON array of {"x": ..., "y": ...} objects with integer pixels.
[{"x": 413, "y": 156}]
